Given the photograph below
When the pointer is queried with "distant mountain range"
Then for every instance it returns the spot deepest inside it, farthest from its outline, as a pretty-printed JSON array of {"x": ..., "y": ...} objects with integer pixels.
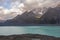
[{"x": 51, "y": 16}]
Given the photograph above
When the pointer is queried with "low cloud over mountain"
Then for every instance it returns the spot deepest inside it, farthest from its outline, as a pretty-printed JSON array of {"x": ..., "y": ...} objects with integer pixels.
[{"x": 22, "y": 10}]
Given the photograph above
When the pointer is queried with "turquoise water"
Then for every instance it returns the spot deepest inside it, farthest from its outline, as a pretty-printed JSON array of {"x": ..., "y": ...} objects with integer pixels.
[{"x": 44, "y": 30}]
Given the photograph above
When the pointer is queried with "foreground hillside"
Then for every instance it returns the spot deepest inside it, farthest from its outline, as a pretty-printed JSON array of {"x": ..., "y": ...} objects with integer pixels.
[{"x": 28, "y": 37}]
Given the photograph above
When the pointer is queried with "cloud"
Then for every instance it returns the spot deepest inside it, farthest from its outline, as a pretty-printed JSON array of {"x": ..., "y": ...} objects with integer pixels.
[
  {"x": 6, "y": 14},
  {"x": 15, "y": 0},
  {"x": 20, "y": 6},
  {"x": 1, "y": 1},
  {"x": 43, "y": 3}
]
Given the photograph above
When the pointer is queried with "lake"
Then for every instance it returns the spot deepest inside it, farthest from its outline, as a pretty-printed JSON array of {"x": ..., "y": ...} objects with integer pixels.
[{"x": 44, "y": 30}]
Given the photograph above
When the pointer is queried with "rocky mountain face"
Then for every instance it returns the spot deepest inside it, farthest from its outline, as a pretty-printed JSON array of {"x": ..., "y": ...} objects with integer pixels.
[
  {"x": 25, "y": 18},
  {"x": 52, "y": 16},
  {"x": 28, "y": 37}
]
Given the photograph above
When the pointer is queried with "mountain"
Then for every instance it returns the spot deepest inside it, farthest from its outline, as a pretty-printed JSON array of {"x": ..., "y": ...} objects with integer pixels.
[
  {"x": 25, "y": 18},
  {"x": 51, "y": 16},
  {"x": 2, "y": 21}
]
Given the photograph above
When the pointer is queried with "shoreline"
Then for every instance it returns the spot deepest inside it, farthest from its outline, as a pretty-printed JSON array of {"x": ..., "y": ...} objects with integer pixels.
[{"x": 28, "y": 37}]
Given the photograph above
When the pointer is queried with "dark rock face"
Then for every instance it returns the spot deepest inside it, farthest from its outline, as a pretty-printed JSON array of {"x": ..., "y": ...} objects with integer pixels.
[
  {"x": 28, "y": 37},
  {"x": 52, "y": 16},
  {"x": 25, "y": 18}
]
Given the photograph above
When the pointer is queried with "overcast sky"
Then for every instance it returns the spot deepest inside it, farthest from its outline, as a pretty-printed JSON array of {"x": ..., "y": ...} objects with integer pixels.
[{"x": 6, "y": 6}]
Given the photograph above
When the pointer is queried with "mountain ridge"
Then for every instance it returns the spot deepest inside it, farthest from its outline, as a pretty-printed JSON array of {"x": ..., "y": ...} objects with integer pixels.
[{"x": 51, "y": 16}]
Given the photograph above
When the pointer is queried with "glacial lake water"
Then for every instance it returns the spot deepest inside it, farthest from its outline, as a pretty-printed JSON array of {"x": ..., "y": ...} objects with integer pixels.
[{"x": 44, "y": 30}]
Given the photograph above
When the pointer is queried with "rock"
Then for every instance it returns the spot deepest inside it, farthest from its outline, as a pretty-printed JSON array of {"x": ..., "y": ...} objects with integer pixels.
[
  {"x": 28, "y": 37},
  {"x": 52, "y": 16},
  {"x": 25, "y": 18}
]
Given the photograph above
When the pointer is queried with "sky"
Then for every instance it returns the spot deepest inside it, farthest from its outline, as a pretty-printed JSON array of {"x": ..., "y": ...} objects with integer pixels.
[
  {"x": 5, "y": 4},
  {"x": 11, "y": 8},
  {"x": 6, "y": 10}
]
